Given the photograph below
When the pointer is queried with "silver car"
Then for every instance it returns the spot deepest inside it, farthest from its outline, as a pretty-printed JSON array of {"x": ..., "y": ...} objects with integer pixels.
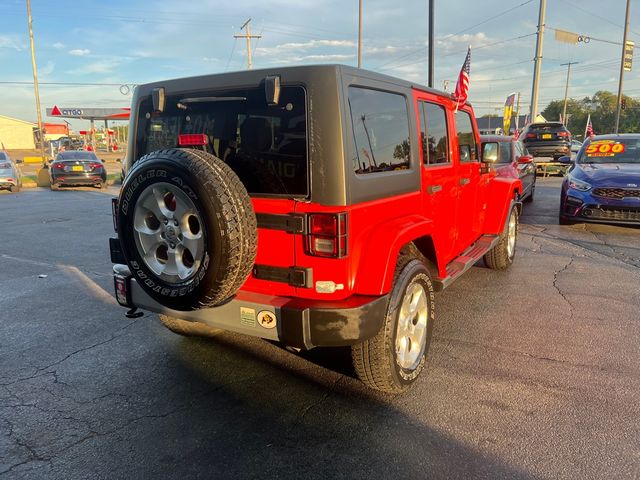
[{"x": 9, "y": 174}]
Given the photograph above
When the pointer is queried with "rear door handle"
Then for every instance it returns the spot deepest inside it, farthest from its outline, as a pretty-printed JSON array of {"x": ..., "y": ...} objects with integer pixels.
[
  {"x": 434, "y": 189},
  {"x": 464, "y": 181}
]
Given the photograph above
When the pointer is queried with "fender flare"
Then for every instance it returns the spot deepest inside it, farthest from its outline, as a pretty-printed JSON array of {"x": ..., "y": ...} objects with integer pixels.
[{"x": 375, "y": 269}]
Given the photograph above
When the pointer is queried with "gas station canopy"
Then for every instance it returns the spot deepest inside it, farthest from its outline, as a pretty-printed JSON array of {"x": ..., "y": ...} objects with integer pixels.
[{"x": 89, "y": 113}]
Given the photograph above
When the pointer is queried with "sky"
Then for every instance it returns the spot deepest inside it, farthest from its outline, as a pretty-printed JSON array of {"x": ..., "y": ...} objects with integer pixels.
[{"x": 105, "y": 48}]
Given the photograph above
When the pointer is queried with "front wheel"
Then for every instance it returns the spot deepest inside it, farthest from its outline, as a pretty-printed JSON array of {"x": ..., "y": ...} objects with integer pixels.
[
  {"x": 14, "y": 188},
  {"x": 501, "y": 256},
  {"x": 392, "y": 360}
]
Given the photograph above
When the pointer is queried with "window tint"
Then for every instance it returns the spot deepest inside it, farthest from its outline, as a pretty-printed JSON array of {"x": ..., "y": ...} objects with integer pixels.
[
  {"x": 505, "y": 152},
  {"x": 265, "y": 145},
  {"x": 380, "y": 130},
  {"x": 466, "y": 137},
  {"x": 433, "y": 133}
]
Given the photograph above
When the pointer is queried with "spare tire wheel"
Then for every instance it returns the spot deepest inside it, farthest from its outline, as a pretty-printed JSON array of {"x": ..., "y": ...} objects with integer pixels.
[{"x": 187, "y": 228}]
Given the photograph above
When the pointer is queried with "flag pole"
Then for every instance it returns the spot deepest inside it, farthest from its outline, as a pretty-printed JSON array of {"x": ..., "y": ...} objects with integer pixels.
[{"x": 586, "y": 127}]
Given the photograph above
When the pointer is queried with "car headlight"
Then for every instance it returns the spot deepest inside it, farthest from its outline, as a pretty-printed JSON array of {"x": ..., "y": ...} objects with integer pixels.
[{"x": 578, "y": 184}]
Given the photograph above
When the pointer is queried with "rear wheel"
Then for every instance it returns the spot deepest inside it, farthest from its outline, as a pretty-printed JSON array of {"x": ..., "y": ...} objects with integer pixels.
[
  {"x": 55, "y": 186},
  {"x": 501, "y": 256},
  {"x": 14, "y": 188},
  {"x": 392, "y": 360}
]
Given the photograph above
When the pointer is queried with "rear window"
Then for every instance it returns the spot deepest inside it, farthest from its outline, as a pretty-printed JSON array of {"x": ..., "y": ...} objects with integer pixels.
[
  {"x": 265, "y": 145},
  {"x": 546, "y": 127},
  {"x": 77, "y": 156},
  {"x": 380, "y": 130},
  {"x": 3, "y": 156}
]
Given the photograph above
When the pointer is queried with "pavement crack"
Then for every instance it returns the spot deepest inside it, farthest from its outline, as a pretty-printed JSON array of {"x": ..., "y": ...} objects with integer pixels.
[
  {"x": 324, "y": 397},
  {"x": 39, "y": 370},
  {"x": 556, "y": 274},
  {"x": 512, "y": 351}
]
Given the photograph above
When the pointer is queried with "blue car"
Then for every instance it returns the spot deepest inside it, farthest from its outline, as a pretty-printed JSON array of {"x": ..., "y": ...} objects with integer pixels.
[{"x": 603, "y": 184}]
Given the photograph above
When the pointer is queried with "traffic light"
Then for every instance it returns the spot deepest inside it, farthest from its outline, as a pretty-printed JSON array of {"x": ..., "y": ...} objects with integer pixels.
[{"x": 623, "y": 103}]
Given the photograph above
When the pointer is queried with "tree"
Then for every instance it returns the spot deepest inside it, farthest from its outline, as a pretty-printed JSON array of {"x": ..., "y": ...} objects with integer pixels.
[{"x": 602, "y": 106}]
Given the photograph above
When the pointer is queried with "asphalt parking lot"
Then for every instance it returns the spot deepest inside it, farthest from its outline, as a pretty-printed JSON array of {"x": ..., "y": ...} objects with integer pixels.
[{"x": 533, "y": 372}]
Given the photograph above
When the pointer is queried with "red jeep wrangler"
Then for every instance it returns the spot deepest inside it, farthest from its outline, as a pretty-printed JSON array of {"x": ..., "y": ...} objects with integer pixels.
[{"x": 314, "y": 206}]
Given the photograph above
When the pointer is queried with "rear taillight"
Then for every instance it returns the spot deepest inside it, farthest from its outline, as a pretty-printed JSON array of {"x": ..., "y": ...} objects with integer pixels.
[
  {"x": 327, "y": 235},
  {"x": 5, "y": 165},
  {"x": 531, "y": 135},
  {"x": 95, "y": 166},
  {"x": 192, "y": 139},
  {"x": 563, "y": 134},
  {"x": 59, "y": 166}
]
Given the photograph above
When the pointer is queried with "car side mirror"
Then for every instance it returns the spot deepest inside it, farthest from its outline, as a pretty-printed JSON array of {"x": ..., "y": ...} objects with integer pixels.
[
  {"x": 524, "y": 159},
  {"x": 490, "y": 152},
  {"x": 566, "y": 160}
]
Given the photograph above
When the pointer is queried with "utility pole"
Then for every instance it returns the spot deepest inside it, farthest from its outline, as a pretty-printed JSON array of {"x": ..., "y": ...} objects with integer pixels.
[
  {"x": 360, "y": 34},
  {"x": 248, "y": 36},
  {"x": 431, "y": 59},
  {"x": 620, "y": 82},
  {"x": 538, "y": 60},
  {"x": 35, "y": 84},
  {"x": 566, "y": 91},
  {"x": 518, "y": 113}
]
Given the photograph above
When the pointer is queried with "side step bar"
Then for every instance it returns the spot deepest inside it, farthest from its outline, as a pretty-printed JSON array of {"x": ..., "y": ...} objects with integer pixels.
[{"x": 466, "y": 260}]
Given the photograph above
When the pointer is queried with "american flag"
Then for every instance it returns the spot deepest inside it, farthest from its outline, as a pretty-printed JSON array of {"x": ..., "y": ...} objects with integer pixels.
[
  {"x": 462, "y": 87},
  {"x": 590, "y": 131}
]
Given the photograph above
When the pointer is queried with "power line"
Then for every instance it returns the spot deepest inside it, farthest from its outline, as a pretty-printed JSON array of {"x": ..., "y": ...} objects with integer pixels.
[{"x": 457, "y": 33}]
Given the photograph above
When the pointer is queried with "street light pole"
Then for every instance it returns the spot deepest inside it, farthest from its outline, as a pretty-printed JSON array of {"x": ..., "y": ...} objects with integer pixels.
[
  {"x": 566, "y": 91},
  {"x": 538, "y": 60},
  {"x": 360, "y": 34},
  {"x": 35, "y": 84},
  {"x": 620, "y": 82}
]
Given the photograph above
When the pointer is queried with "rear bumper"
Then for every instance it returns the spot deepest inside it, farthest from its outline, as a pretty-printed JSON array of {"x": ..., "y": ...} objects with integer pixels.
[
  {"x": 7, "y": 184},
  {"x": 68, "y": 178},
  {"x": 550, "y": 149},
  {"x": 295, "y": 322}
]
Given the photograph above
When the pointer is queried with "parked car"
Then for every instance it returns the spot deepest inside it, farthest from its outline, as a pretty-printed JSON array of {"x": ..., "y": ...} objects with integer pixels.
[
  {"x": 513, "y": 161},
  {"x": 359, "y": 222},
  {"x": 77, "y": 167},
  {"x": 10, "y": 175},
  {"x": 549, "y": 139},
  {"x": 603, "y": 184},
  {"x": 575, "y": 146}
]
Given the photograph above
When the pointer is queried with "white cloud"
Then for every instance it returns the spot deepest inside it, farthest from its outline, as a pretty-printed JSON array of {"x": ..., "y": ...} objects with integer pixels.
[
  {"x": 105, "y": 65},
  {"x": 47, "y": 69},
  {"x": 58, "y": 45},
  {"x": 11, "y": 42},
  {"x": 79, "y": 52},
  {"x": 290, "y": 48}
]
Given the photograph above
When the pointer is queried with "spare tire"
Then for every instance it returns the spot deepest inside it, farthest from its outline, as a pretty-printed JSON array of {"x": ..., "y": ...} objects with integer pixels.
[{"x": 187, "y": 228}]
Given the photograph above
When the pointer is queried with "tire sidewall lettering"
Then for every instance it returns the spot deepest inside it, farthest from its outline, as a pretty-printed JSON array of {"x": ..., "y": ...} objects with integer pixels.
[
  {"x": 410, "y": 375},
  {"x": 136, "y": 184}
]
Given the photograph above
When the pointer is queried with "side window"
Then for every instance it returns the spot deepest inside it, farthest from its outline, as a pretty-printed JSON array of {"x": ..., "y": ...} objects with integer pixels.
[
  {"x": 380, "y": 130},
  {"x": 505, "y": 152},
  {"x": 433, "y": 131},
  {"x": 466, "y": 137}
]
